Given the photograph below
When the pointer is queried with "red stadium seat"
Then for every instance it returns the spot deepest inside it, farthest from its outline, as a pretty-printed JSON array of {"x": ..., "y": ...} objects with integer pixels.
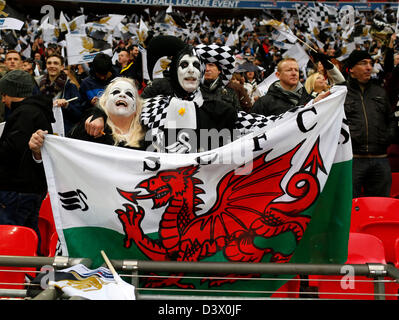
[
  {"x": 53, "y": 245},
  {"x": 397, "y": 253},
  {"x": 46, "y": 225},
  {"x": 378, "y": 216},
  {"x": 16, "y": 241},
  {"x": 362, "y": 248},
  {"x": 365, "y": 248},
  {"x": 395, "y": 185}
]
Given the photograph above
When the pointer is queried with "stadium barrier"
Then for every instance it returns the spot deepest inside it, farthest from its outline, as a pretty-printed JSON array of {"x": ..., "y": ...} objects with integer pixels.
[{"x": 378, "y": 274}]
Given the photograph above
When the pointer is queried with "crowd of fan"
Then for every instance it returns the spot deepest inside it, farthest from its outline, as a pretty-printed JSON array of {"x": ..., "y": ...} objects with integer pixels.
[{"x": 256, "y": 47}]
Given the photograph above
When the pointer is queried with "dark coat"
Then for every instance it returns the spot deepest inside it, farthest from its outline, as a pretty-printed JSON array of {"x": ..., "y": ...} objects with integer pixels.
[
  {"x": 217, "y": 112},
  {"x": 221, "y": 92},
  {"x": 209, "y": 117},
  {"x": 133, "y": 71},
  {"x": 277, "y": 101},
  {"x": 18, "y": 171},
  {"x": 74, "y": 112},
  {"x": 370, "y": 118},
  {"x": 159, "y": 86}
]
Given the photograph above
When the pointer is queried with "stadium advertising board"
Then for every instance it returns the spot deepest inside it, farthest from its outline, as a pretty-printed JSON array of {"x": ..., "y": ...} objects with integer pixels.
[{"x": 239, "y": 4}]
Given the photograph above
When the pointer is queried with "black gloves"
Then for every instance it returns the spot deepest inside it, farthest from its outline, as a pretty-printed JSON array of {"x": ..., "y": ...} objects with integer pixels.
[{"x": 324, "y": 60}]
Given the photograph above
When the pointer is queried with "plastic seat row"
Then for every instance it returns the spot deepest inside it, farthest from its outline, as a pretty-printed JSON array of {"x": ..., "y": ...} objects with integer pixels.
[
  {"x": 378, "y": 216},
  {"x": 362, "y": 248},
  {"x": 23, "y": 241},
  {"x": 373, "y": 238}
]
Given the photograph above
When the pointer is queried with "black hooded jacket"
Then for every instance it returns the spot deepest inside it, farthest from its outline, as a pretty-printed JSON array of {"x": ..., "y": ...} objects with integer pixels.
[{"x": 18, "y": 171}]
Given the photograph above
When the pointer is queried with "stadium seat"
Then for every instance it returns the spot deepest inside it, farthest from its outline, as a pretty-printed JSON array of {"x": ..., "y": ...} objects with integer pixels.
[
  {"x": 397, "y": 253},
  {"x": 46, "y": 225},
  {"x": 53, "y": 245},
  {"x": 16, "y": 241},
  {"x": 378, "y": 216},
  {"x": 395, "y": 185},
  {"x": 362, "y": 248}
]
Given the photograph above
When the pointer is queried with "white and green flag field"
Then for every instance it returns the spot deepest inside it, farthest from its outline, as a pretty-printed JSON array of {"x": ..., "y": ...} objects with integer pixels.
[{"x": 281, "y": 194}]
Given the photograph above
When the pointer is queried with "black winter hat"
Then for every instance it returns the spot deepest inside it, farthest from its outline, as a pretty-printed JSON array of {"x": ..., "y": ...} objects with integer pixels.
[
  {"x": 102, "y": 63},
  {"x": 17, "y": 83},
  {"x": 355, "y": 57},
  {"x": 173, "y": 47}
]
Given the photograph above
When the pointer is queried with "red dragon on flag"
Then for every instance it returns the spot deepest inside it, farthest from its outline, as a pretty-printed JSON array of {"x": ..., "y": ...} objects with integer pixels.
[{"x": 245, "y": 208}]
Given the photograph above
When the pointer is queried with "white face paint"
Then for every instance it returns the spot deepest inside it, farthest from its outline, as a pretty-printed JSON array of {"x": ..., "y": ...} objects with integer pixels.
[
  {"x": 188, "y": 73},
  {"x": 121, "y": 99}
]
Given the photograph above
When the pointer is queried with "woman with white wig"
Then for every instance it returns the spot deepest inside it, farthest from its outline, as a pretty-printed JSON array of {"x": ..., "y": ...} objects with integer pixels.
[{"x": 122, "y": 105}]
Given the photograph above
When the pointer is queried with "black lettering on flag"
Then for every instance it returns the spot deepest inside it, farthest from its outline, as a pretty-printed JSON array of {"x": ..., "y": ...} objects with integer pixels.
[
  {"x": 73, "y": 200},
  {"x": 155, "y": 161},
  {"x": 256, "y": 142},
  {"x": 299, "y": 120},
  {"x": 345, "y": 132},
  {"x": 207, "y": 158}
]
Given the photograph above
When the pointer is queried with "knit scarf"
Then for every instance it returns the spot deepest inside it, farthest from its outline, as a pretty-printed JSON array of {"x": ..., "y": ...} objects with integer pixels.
[
  {"x": 294, "y": 96},
  {"x": 53, "y": 88}
]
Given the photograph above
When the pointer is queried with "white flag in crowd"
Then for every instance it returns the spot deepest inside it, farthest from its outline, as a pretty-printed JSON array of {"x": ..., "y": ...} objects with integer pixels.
[
  {"x": 97, "y": 284},
  {"x": 83, "y": 49},
  {"x": 11, "y": 23}
]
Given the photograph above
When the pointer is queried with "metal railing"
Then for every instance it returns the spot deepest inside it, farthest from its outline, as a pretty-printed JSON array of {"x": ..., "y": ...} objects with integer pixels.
[{"x": 134, "y": 270}]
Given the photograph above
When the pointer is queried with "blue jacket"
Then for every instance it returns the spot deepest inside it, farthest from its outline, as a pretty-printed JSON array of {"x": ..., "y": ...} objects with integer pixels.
[
  {"x": 91, "y": 87},
  {"x": 74, "y": 112}
]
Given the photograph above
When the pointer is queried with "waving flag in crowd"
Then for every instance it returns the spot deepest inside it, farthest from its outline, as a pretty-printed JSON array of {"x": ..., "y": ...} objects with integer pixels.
[
  {"x": 49, "y": 31},
  {"x": 11, "y": 23},
  {"x": 9, "y": 18},
  {"x": 83, "y": 49},
  {"x": 283, "y": 29},
  {"x": 316, "y": 21},
  {"x": 98, "y": 284},
  {"x": 77, "y": 24},
  {"x": 279, "y": 194}
]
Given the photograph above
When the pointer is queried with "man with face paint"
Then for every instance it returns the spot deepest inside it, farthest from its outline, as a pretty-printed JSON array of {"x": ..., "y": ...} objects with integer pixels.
[
  {"x": 186, "y": 114},
  {"x": 178, "y": 116},
  {"x": 122, "y": 106}
]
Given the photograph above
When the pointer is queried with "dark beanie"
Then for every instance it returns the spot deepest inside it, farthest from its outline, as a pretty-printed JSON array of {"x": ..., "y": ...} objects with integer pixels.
[
  {"x": 355, "y": 57},
  {"x": 17, "y": 83},
  {"x": 102, "y": 63}
]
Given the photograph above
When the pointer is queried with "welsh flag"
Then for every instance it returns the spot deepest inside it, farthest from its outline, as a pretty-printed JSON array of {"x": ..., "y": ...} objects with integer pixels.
[{"x": 280, "y": 194}]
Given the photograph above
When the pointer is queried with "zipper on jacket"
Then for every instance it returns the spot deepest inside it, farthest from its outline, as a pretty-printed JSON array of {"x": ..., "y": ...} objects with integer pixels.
[{"x": 367, "y": 123}]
